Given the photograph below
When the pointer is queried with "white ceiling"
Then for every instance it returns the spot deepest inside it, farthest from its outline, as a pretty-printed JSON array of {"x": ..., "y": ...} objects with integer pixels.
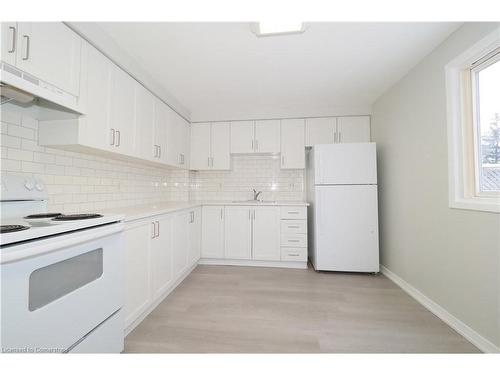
[{"x": 222, "y": 71}]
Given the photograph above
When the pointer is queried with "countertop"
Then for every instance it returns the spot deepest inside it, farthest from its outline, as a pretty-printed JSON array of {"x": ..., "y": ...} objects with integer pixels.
[{"x": 131, "y": 213}]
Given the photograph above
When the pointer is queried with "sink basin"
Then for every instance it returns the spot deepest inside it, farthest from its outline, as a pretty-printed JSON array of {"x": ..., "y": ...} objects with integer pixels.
[{"x": 253, "y": 201}]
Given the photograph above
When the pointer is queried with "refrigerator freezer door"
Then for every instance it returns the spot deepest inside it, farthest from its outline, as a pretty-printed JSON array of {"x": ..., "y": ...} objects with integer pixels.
[
  {"x": 344, "y": 164},
  {"x": 346, "y": 228}
]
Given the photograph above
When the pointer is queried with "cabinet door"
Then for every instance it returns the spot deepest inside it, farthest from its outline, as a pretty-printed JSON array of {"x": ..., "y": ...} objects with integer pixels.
[
  {"x": 212, "y": 232},
  {"x": 267, "y": 136},
  {"x": 51, "y": 52},
  {"x": 266, "y": 233},
  {"x": 221, "y": 146},
  {"x": 180, "y": 243},
  {"x": 200, "y": 146},
  {"x": 9, "y": 42},
  {"x": 353, "y": 129},
  {"x": 123, "y": 111},
  {"x": 137, "y": 271},
  {"x": 160, "y": 137},
  {"x": 184, "y": 142},
  {"x": 95, "y": 130},
  {"x": 144, "y": 123},
  {"x": 238, "y": 232},
  {"x": 194, "y": 236},
  {"x": 173, "y": 148},
  {"x": 320, "y": 130},
  {"x": 292, "y": 144},
  {"x": 161, "y": 257},
  {"x": 242, "y": 137}
]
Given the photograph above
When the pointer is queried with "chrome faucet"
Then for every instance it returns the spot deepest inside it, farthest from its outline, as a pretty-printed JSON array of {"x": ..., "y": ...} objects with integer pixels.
[{"x": 256, "y": 194}]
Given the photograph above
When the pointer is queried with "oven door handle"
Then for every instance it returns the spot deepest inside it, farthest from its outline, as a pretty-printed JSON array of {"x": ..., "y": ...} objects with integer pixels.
[{"x": 58, "y": 242}]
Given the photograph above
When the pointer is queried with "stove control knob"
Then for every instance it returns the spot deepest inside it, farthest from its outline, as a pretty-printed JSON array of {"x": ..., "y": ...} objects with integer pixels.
[
  {"x": 39, "y": 186},
  {"x": 29, "y": 184}
]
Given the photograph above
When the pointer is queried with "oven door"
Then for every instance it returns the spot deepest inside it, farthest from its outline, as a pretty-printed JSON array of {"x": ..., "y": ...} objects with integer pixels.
[{"x": 52, "y": 300}]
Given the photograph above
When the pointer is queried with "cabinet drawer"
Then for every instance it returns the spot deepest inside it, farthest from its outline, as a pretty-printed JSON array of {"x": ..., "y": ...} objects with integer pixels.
[
  {"x": 294, "y": 240},
  {"x": 297, "y": 212},
  {"x": 298, "y": 254},
  {"x": 293, "y": 226}
]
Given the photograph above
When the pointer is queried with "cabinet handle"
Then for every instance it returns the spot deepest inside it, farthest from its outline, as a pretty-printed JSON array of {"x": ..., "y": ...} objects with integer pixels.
[
  {"x": 334, "y": 136},
  {"x": 282, "y": 160},
  {"x": 294, "y": 226},
  {"x": 293, "y": 241},
  {"x": 212, "y": 162},
  {"x": 118, "y": 138},
  {"x": 154, "y": 230},
  {"x": 293, "y": 212},
  {"x": 13, "y": 48},
  {"x": 221, "y": 213},
  {"x": 293, "y": 255},
  {"x": 158, "y": 226},
  {"x": 27, "y": 53},
  {"x": 256, "y": 144},
  {"x": 112, "y": 137},
  {"x": 159, "y": 151},
  {"x": 340, "y": 137}
]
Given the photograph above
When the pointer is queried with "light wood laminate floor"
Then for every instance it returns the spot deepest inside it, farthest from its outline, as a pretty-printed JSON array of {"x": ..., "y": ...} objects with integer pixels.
[{"x": 223, "y": 309}]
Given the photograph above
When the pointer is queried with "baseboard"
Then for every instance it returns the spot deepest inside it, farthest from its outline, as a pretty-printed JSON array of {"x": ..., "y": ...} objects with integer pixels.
[
  {"x": 463, "y": 329},
  {"x": 154, "y": 304},
  {"x": 253, "y": 263}
]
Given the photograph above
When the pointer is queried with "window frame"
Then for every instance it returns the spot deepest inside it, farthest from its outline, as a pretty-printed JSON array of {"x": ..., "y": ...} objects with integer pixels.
[
  {"x": 492, "y": 58},
  {"x": 462, "y": 128}
]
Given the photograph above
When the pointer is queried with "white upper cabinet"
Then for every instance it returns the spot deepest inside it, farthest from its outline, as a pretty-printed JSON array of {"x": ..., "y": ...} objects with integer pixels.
[
  {"x": 50, "y": 51},
  {"x": 266, "y": 233},
  {"x": 145, "y": 147},
  {"x": 242, "y": 137},
  {"x": 320, "y": 130},
  {"x": 353, "y": 129},
  {"x": 9, "y": 42},
  {"x": 267, "y": 136},
  {"x": 238, "y": 232},
  {"x": 95, "y": 127},
  {"x": 212, "y": 232},
  {"x": 210, "y": 146},
  {"x": 123, "y": 111},
  {"x": 177, "y": 140},
  {"x": 292, "y": 144},
  {"x": 160, "y": 131},
  {"x": 200, "y": 146},
  {"x": 249, "y": 137}
]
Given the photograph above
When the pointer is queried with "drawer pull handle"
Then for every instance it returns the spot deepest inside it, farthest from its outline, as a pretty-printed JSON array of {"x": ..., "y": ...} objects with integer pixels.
[
  {"x": 294, "y": 226},
  {"x": 293, "y": 241},
  {"x": 293, "y": 255},
  {"x": 293, "y": 212}
]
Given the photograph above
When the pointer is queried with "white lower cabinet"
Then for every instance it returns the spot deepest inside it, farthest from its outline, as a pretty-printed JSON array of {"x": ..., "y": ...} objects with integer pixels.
[
  {"x": 137, "y": 271},
  {"x": 266, "y": 233},
  {"x": 238, "y": 232},
  {"x": 159, "y": 251},
  {"x": 212, "y": 232}
]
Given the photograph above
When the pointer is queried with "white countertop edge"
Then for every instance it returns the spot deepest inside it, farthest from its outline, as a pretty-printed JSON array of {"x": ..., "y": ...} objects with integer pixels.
[{"x": 133, "y": 213}]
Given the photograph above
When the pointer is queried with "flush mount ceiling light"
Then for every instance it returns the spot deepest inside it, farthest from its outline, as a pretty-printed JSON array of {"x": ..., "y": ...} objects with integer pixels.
[{"x": 272, "y": 28}]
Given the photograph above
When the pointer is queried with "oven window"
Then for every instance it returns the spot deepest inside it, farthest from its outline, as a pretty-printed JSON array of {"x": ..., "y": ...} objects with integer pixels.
[{"x": 56, "y": 280}]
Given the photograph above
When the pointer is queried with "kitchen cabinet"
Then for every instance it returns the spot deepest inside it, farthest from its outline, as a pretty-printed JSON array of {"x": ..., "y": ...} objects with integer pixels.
[
  {"x": 160, "y": 133},
  {"x": 210, "y": 146},
  {"x": 194, "y": 236},
  {"x": 353, "y": 129},
  {"x": 161, "y": 255},
  {"x": 249, "y": 137},
  {"x": 242, "y": 137},
  {"x": 320, "y": 130},
  {"x": 137, "y": 271},
  {"x": 177, "y": 140},
  {"x": 49, "y": 51},
  {"x": 145, "y": 145},
  {"x": 122, "y": 113},
  {"x": 180, "y": 243},
  {"x": 212, "y": 233},
  {"x": 267, "y": 136},
  {"x": 238, "y": 232},
  {"x": 266, "y": 233},
  {"x": 292, "y": 144}
]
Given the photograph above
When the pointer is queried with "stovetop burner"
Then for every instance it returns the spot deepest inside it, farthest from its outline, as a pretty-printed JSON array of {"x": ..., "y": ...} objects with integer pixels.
[
  {"x": 76, "y": 217},
  {"x": 12, "y": 228},
  {"x": 43, "y": 216}
]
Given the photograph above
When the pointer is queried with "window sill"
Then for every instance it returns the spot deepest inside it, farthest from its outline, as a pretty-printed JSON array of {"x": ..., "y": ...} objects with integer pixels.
[{"x": 477, "y": 204}]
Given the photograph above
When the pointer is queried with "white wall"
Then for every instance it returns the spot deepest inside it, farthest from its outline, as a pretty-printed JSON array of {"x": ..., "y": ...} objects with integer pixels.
[{"x": 450, "y": 255}]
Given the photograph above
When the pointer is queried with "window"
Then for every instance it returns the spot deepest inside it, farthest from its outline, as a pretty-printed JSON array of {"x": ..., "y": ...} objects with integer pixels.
[
  {"x": 485, "y": 75},
  {"x": 473, "y": 111}
]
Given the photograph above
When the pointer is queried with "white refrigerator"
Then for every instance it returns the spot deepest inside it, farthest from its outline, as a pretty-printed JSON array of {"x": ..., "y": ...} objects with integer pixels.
[{"x": 343, "y": 215}]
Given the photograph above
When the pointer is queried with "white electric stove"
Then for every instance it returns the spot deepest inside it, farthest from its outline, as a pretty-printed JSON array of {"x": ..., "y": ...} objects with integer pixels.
[{"x": 62, "y": 282}]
